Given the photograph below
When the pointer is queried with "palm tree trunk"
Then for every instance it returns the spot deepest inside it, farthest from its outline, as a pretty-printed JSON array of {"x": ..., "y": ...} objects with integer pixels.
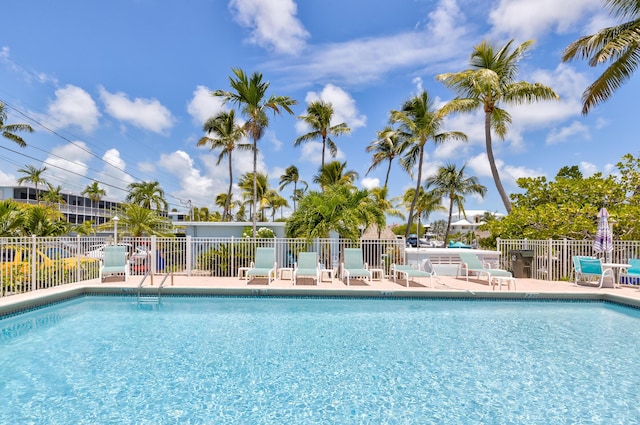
[
  {"x": 415, "y": 196},
  {"x": 324, "y": 143},
  {"x": 295, "y": 194},
  {"x": 446, "y": 233},
  {"x": 254, "y": 213},
  {"x": 386, "y": 178},
  {"x": 492, "y": 163},
  {"x": 226, "y": 214}
]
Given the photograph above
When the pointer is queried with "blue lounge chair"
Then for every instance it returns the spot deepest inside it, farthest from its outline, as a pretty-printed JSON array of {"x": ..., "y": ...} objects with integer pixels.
[
  {"x": 307, "y": 265},
  {"x": 470, "y": 263},
  {"x": 264, "y": 266},
  {"x": 354, "y": 266},
  {"x": 588, "y": 268},
  {"x": 631, "y": 275},
  {"x": 407, "y": 272},
  {"x": 114, "y": 262}
]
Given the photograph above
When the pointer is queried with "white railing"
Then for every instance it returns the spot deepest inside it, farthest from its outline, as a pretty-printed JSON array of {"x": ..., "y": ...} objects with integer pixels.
[
  {"x": 32, "y": 263},
  {"x": 552, "y": 259}
]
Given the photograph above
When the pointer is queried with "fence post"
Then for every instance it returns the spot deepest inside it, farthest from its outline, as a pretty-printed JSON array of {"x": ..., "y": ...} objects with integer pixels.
[
  {"x": 188, "y": 255},
  {"x": 78, "y": 263},
  {"x": 34, "y": 257}
]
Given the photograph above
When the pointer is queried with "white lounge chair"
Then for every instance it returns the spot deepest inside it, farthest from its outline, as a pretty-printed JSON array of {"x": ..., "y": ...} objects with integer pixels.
[
  {"x": 115, "y": 262},
  {"x": 354, "y": 266},
  {"x": 407, "y": 272},
  {"x": 307, "y": 265},
  {"x": 470, "y": 263},
  {"x": 264, "y": 266}
]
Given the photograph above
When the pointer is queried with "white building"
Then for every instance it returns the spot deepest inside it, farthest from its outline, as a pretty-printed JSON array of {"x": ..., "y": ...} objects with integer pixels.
[{"x": 470, "y": 223}]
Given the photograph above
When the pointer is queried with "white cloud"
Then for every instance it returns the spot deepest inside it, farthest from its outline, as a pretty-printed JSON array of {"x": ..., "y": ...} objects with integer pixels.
[
  {"x": 344, "y": 107},
  {"x": 74, "y": 107},
  {"x": 525, "y": 19},
  {"x": 367, "y": 59},
  {"x": 68, "y": 164},
  {"x": 114, "y": 175},
  {"x": 148, "y": 114},
  {"x": 479, "y": 165},
  {"x": 273, "y": 24},
  {"x": 588, "y": 169},
  {"x": 204, "y": 106},
  {"x": 7, "y": 179},
  {"x": 193, "y": 186},
  {"x": 370, "y": 182},
  {"x": 572, "y": 131}
]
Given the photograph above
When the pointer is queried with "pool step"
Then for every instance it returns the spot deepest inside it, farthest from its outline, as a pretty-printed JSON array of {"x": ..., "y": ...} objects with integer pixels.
[{"x": 148, "y": 299}]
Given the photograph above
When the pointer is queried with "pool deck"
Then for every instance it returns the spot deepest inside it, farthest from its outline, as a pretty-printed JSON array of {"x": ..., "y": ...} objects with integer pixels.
[{"x": 443, "y": 287}]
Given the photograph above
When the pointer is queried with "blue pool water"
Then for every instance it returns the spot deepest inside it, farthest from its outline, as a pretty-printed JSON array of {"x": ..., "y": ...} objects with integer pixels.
[{"x": 98, "y": 360}]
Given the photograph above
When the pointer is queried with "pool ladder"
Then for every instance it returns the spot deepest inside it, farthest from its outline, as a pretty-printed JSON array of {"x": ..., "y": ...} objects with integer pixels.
[{"x": 145, "y": 298}]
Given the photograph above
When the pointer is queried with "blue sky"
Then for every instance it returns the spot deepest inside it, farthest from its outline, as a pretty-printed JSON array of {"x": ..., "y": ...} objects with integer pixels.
[{"x": 118, "y": 91}]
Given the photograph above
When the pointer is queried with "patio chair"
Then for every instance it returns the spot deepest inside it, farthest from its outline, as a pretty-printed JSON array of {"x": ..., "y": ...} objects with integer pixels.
[
  {"x": 264, "y": 265},
  {"x": 114, "y": 262},
  {"x": 631, "y": 275},
  {"x": 470, "y": 263},
  {"x": 588, "y": 268},
  {"x": 407, "y": 271},
  {"x": 307, "y": 265},
  {"x": 354, "y": 266}
]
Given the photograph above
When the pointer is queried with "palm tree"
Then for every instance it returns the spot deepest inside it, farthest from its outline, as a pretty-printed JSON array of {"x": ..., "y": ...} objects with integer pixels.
[
  {"x": 9, "y": 130},
  {"x": 386, "y": 148},
  {"x": 33, "y": 175},
  {"x": 53, "y": 195},
  {"x": 291, "y": 175},
  {"x": 261, "y": 181},
  {"x": 619, "y": 45},
  {"x": 333, "y": 173},
  {"x": 147, "y": 195},
  {"x": 379, "y": 197},
  {"x": 318, "y": 118},
  {"x": 227, "y": 133},
  {"x": 137, "y": 220},
  {"x": 420, "y": 122},
  {"x": 250, "y": 94},
  {"x": 428, "y": 202},
  {"x": 275, "y": 201},
  {"x": 95, "y": 193},
  {"x": 11, "y": 219},
  {"x": 452, "y": 182},
  {"x": 491, "y": 80}
]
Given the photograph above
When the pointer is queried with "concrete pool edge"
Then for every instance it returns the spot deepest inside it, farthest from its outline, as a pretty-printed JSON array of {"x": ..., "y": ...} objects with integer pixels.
[{"x": 22, "y": 302}]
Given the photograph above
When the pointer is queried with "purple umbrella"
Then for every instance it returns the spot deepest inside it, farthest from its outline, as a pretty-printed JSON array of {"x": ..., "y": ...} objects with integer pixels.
[{"x": 604, "y": 238}]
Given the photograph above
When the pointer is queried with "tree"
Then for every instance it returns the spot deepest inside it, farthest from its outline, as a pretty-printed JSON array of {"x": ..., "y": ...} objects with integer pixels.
[
  {"x": 291, "y": 175},
  {"x": 379, "y": 197},
  {"x": 490, "y": 81},
  {"x": 137, "y": 220},
  {"x": 318, "y": 118},
  {"x": 386, "y": 148},
  {"x": 53, "y": 195},
  {"x": 619, "y": 45},
  {"x": 9, "y": 130},
  {"x": 452, "y": 182},
  {"x": 334, "y": 173},
  {"x": 341, "y": 209},
  {"x": 259, "y": 191},
  {"x": 95, "y": 193},
  {"x": 33, "y": 175},
  {"x": 227, "y": 134},
  {"x": 420, "y": 122},
  {"x": 250, "y": 94},
  {"x": 427, "y": 202},
  {"x": 275, "y": 201},
  {"x": 11, "y": 219},
  {"x": 147, "y": 195}
]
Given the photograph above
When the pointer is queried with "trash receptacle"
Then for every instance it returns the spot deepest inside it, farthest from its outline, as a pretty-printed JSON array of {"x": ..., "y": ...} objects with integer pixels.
[{"x": 521, "y": 262}]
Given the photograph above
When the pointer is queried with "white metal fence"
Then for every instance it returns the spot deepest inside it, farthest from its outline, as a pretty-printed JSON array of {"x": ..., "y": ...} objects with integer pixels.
[
  {"x": 32, "y": 263},
  {"x": 552, "y": 259}
]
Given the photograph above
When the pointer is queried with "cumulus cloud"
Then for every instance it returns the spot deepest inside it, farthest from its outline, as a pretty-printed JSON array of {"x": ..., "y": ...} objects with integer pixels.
[
  {"x": 344, "y": 107},
  {"x": 148, "y": 114},
  {"x": 273, "y": 24},
  {"x": 479, "y": 166},
  {"x": 68, "y": 164},
  {"x": 525, "y": 19},
  {"x": 370, "y": 182},
  {"x": 73, "y": 106},
  {"x": 193, "y": 185},
  {"x": 588, "y": 169},
  {"x": 114, "y": 175},
  {"x": 7, "y": 179},
  {"x": 204, "y": 106}
]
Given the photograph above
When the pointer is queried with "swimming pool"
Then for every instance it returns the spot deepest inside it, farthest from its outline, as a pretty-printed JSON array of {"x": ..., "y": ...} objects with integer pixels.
[{"x": 270, "y": 360}]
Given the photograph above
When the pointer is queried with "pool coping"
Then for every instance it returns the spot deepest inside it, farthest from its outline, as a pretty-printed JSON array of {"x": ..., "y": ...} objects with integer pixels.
[{"x": 22, "y": 302}]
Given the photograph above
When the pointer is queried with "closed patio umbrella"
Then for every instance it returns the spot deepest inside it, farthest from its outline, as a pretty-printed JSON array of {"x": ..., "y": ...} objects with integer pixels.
[{"x": 604, "y": 239}]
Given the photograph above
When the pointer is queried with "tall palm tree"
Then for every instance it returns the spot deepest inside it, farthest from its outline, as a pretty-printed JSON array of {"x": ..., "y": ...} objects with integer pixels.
[
  {"x": 619, "y": 45},
  {"x": 334, "y": 174},
  {"x": 490, "y": 81},
  {"x": 420, "y": 122},
  {"x": 33, "y": 175},
  {"x": 250, "y": 94},
  {"x": 318, "y": 118},
  {"x": 291, "y": 175},
  {"x": 226, "y": 134},
  {"x": 379, "y": 196},
  {"x": 452, "y": 182},
  {"x": 9, "y": 130},
  {"x": 95, "y": 193},
  {"x": 275, "y": 201},
  {"x": 386, "y": 148},
  {"x": 428, "y": 202},
  {"x": 147, "y": 195}
]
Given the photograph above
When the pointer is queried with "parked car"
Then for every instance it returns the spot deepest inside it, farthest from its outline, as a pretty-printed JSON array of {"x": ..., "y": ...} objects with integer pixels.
[
  {"x": 97, "y": 251},
  {"x": 414, "y": 242}
]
